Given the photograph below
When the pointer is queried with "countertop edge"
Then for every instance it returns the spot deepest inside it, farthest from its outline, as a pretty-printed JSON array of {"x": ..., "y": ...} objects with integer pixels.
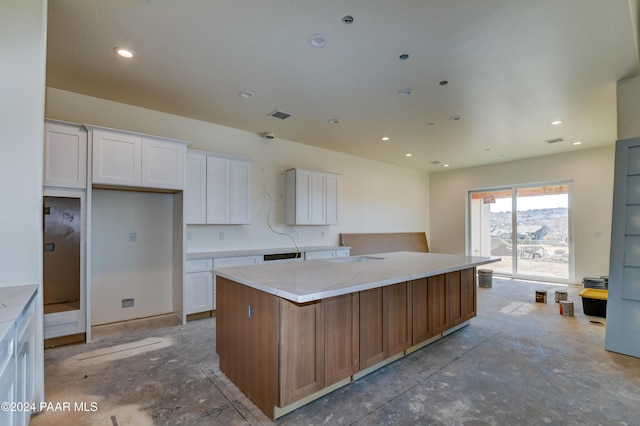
[{"x": 350, "y": 289}]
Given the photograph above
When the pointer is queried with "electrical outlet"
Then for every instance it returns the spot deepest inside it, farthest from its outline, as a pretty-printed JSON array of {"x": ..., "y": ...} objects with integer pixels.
[
  {"x": 221, "y": 235},
  {"x": 132, "y": 237},
  {"x": 128, "y": 303},
  {"x": 298, "y": 234},
  {"x": 322, "y": 234}
]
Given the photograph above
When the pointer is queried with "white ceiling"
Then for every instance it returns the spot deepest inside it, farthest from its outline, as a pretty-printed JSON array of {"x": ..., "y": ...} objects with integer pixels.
[{"x": 513, "y": 66}]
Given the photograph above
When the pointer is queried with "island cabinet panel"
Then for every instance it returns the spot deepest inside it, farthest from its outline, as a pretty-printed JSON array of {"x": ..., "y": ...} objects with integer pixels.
[
  {"x": 301, "y": 350},
  {"x": 342, "y": 337},
  {"x": 385, "y": 323},
  {"x": 438, "y": 296},
  {"x": 462, "y": 296},
  {"x": 247, "y": 341},
  {"x": 422, "y": 325}
]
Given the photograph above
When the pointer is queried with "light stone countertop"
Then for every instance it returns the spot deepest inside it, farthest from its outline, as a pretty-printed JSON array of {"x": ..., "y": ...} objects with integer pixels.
[
  {"x": 13, "y": 300},
  {"x": 310, "y": 280},
  {"x": 258, "y": 252}
]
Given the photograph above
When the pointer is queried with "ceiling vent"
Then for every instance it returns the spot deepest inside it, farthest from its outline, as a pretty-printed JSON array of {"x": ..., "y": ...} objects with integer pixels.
[
  {"x": 556, "y": 140},
  {"x": 280, "y": 114}
]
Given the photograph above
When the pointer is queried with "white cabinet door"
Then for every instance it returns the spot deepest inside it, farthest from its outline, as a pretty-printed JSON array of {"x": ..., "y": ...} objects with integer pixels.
[
  {"x": 65, "y": 155},
  {"x": 199, "y": 292},
  {"x": 8, "y": 386},
  {"x": 325, "y": 254},
  {"x": 240, "y": 192},
  {"x": 317, "y": 197},
  {"x": 218, "y": 174},
  {"x": 162, "y": 164},
  {"x": 25, "y": 362},
  {"x": 196, "y": 189},
  {"x": 117, "y": 158},
  {"x": 332, "y": 199},
  {"x": 312, "y": 197}
]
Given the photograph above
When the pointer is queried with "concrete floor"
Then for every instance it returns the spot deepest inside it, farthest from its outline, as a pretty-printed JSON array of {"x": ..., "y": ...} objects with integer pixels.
[{"x": 518, "y": 363}]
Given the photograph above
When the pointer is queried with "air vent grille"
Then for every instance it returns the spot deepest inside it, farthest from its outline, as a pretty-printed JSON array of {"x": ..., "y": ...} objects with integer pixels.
[
  {"x": 280, "y": 114},
  {"x": 556, "y": 140}
]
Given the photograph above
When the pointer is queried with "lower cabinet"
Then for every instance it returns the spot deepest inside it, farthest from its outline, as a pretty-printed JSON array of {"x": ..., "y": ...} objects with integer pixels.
[
  {"x": 385, "y": 323},
  {"x": 283, "y": 354},
  {"x": 18, "y": 368},
  {"x": 441, "y": 302},
  {"x": 318, "y": 345}
]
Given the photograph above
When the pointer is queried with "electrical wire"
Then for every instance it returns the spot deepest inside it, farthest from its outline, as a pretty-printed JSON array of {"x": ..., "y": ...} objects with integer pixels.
[{"x": 271, "y": 227}]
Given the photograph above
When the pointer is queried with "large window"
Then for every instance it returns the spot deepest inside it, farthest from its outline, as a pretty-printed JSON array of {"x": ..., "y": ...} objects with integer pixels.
[{"x": 527, "y": 226}]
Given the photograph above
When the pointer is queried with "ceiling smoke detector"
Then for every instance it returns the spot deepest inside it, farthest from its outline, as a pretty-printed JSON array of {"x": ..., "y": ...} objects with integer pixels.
[
  {"x": 348, "y": 19},
  {"x": 268, "y": 135}
]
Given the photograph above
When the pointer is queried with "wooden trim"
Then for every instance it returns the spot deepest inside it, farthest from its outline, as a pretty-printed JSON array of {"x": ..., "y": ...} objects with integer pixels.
[
  {"x": 200, "y": 315},
  {"x": 385, "y": 242},
  {"x": 64, "y": 340}
]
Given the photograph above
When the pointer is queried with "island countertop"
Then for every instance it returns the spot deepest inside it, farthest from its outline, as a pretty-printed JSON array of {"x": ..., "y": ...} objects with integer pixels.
[{"x": 310, "y": 280}]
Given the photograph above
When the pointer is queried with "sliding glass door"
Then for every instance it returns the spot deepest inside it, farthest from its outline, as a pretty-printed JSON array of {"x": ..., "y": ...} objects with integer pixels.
[{"x": 527, "y": 226}]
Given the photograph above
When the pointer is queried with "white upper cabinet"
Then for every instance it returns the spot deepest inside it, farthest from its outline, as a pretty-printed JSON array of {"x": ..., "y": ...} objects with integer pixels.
[
  {"x": 129, "y": 159},
  {"x": 218, "y": 189},
  {"x": 195, "y": 189},
  {"x": 163, "y": 164},
  {"x": 312, "y": 197},
  {"x": 65, "y": 155}
]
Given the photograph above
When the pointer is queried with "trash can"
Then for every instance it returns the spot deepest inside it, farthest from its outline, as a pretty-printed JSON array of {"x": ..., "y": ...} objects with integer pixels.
[{"x": 485, "y": 278}]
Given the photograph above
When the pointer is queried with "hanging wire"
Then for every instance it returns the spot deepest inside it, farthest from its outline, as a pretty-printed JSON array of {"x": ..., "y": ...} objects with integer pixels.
[{"x": 271, "y": 227}]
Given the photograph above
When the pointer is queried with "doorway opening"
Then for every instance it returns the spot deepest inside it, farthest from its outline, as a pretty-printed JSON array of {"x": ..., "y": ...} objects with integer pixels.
[{"x": 527, "y": 226}]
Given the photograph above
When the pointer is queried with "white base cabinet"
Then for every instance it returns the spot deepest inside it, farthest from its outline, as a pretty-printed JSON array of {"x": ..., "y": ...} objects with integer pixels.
[{"x": 18, "y": 363}]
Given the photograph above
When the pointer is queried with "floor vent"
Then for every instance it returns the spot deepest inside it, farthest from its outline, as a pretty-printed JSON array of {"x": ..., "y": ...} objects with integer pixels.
[{"x": 280, "y": 114}]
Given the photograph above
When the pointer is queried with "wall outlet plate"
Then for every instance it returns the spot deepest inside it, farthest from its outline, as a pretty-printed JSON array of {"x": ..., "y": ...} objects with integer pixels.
[{"x": 128, "y": 303}]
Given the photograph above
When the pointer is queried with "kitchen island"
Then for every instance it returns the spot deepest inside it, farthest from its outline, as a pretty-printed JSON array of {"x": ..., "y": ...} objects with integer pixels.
[{"x": 289, "y": 333}]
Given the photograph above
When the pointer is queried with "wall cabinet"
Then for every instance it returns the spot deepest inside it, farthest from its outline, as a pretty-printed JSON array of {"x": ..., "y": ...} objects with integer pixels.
[
  {"x": 129, "y": 159},
  {"x": 311, "y": 197},
  {"x": 65, "y": 155},
  {"x": 218, "y": 189}
]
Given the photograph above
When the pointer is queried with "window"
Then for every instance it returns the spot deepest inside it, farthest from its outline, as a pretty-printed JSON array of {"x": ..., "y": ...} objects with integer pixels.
[{"x": 527, "y": 226}]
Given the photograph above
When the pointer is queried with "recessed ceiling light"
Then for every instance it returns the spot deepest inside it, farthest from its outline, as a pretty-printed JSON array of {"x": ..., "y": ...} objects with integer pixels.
[
  {"x": 405, "y": 92},
  {"x": 246, "y": 94},
  {"x": 404, "y": 56},
  {"x": 577, "y": 143},
  {"x": 318, "y": 40},
  {"x": 125, "y": 53},
  {"x": 408, "y": 154},
  {"x": 334, "y": 121},
  {"x": 556, "y": 122},
  {"x": 385, "y": 138},
  {"x": 445, "y": 165},
  {"x": 455, "y": 118}
]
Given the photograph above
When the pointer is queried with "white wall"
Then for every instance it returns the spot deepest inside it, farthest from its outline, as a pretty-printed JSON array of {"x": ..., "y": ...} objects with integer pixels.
[
  {"x": 374, "y": 197},
  {"x": 591, "y": 171},
  {"x": 23, "y": 51},
  {"x": 629, "y": 108},
  {"x": 121, "y": 269}
]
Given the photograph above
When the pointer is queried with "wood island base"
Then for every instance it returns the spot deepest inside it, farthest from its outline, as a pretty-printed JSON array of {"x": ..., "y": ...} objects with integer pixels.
[{"x": 283, "y": 354}]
